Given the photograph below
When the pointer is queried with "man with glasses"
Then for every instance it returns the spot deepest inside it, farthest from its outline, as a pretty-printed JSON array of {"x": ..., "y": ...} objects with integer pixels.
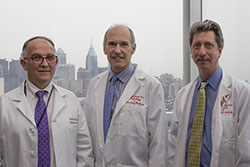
[{"x": 42, "y": 124}]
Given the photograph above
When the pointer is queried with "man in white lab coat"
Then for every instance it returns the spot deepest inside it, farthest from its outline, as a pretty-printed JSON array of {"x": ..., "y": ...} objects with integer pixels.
[
  {"x": 68, "y": 140},
  {"x": 137, "y": 132},
  {"x": 225, "y": 136}
]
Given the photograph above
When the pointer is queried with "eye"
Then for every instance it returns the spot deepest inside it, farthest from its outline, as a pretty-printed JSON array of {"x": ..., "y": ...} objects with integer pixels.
[
  {"x": 124, "y": 44},
  {"x": 196, "y": 45},
  {"x": 36, "y": 57},
  {"x": 111, "y": 43},
  {"x": 209, "y": 45},
  {"x": 51, "y": 58}
]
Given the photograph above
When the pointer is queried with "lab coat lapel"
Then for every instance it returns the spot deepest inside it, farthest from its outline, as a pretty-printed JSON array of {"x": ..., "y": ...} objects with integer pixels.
[
  {"x": 100, "y": 88},
  {"x": 128, "y": 92},
  {"x": 217, "y": 129},
  {"x": 182, "y": 134},
  {"x": 59, "y": 101},
  {"x": 22, "y": 104}
]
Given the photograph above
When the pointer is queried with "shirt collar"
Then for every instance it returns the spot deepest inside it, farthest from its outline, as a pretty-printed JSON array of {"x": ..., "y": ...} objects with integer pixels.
[
  {"x": 33, "y": 89},
  {"x": 213, "y": 80},
  {"x": 124, "y": 75}
]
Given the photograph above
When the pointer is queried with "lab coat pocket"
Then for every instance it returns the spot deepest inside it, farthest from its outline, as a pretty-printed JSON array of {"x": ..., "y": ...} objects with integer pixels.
[
  {"x": 133, "y": 121},
  {"x": 228, "y": 135}
]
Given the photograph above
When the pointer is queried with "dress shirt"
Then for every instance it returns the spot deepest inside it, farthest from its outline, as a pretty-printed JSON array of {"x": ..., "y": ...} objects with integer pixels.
[
  {"x": 120, "y": 84},
  {"x": 211, "y": 94},
  {"x": 32, "y": 99}
]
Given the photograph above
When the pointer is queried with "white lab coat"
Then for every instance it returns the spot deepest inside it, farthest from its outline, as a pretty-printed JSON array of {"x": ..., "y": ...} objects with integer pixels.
[
  {"x": 230, "y": 125},
  {"x": 18, "y": 133},
  {"x": 138, "y": 134}
]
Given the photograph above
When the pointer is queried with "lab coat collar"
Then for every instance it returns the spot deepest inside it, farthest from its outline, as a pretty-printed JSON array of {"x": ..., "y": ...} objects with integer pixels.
[{"x": 59, "y": 101}]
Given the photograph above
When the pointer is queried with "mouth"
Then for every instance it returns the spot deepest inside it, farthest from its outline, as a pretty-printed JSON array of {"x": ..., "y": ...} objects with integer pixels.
[
  {"x": 44, "y": 71},
  {"x": 203, "y": 60},
  {"x": 117, "y": 57}
]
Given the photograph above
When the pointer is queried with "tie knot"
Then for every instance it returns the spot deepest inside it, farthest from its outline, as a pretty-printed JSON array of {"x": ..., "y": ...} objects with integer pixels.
[
  {"x": 203, "y": 84},
  {"x": 114, "y": 78},
  {"x": 40, "y": 93}
]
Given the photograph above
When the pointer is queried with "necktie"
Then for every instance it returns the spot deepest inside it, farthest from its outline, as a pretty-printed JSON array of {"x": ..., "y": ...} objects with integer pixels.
[
  {"x": 43, "y": 131},
  {"x": 108, "y": 102},
  {"x": 194, "y": 149}
]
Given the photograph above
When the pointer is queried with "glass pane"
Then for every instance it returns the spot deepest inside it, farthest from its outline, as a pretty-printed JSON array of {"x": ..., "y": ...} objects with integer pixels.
[
  {"x": 234, "y": 21},
  {"x": 77, "y": 28}
]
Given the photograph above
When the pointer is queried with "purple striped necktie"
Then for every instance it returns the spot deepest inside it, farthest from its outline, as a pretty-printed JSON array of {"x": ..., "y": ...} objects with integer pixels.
[{"x": 43, "y": 131}]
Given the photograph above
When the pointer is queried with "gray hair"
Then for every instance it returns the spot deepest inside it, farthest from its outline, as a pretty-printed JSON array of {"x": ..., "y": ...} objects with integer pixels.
[
  {"x": 115, "y": 25},
  {"x": 23, "y": 54},
  {"x": 207, "y": 25}
]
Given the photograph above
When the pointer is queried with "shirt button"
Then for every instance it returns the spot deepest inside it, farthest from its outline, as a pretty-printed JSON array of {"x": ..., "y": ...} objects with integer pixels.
[
  {"x": 32, "y": 129},
  {"x": 32, "y": 153}
]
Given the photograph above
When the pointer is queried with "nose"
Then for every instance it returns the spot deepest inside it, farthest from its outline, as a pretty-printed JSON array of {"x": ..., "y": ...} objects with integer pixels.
[
  {"x": 117, "y": 49},
  {"x": 44, "y": 61},
  {"x": 202, "y": 51}
]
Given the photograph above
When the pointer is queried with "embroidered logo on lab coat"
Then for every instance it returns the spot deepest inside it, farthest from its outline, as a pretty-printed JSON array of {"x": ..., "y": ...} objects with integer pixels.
[
  {"x": 136, "y": 100},
  {"x": 226, "y": 105},
  {"x": 73, "y": 120}
]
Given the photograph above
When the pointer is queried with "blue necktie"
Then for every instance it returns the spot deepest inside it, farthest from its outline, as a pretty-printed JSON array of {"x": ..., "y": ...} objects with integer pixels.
[
  {"x": 43, "y": 131},
  {"x": 108, "y": 102}
]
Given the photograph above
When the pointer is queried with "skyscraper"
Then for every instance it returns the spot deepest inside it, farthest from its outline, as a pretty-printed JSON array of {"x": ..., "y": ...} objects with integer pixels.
[
  {"x": 85, "y": 76},
  {"x": 91, "y": 61},
  {"x": 4, "y": 67},
  {"x": 67, "y": 72},
  {"x": 61, "y": 56}
]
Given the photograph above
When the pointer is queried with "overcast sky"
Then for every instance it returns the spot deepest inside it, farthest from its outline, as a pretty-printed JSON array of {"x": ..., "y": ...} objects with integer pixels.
[
  {"x": 233, "y": 16},
  {"x": 73, "y": 24}
]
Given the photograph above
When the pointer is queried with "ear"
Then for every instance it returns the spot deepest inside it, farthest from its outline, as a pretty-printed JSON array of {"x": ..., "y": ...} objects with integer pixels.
[
  {"x": 220, "y": 50},
  {"x": 104, "y": 50},
  {"x": 23, "y": 63},
  {"x": 133, "y": 48}
]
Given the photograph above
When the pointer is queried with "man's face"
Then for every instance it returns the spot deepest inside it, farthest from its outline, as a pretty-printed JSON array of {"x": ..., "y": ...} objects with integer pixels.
[
  {"x": 118, "y": 48},
  {"x": 205, "y": 52},
  {"x": 40, "y": 74}
]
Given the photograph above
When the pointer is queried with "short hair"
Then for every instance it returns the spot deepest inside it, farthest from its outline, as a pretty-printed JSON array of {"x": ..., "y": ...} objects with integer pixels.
[
  {"x": 132, "y": 35},
  {"x": 23, "y": 54},
  {"x": 207, "y": 25}
]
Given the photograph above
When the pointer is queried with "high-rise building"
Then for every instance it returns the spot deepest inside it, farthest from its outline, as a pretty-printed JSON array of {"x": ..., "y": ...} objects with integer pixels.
[
  {"x": 15, "y": 76},
  {"x": 61, "y": 55},
  {"x": 1, "y": 86},
  {"x": 79, "y": 88},
  {"x": 4, "y": 67},
  {"x": 91, "y": 61},
  {"x": 62, "y": 82},
  {"x": 85, "y": 76},
  {"x": 66, "y": 71}
]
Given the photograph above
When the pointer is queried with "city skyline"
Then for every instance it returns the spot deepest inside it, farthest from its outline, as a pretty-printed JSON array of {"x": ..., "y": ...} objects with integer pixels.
[
  {"x": 74, "y": 25},
  {"x": 64, "y": 76}
]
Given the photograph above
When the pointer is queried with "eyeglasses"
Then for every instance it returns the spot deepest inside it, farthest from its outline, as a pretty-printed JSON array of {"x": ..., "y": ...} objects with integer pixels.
[{"x": 39, "y": 59}]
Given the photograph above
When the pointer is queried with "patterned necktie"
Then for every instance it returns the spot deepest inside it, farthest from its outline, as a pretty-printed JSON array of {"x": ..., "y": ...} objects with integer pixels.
[
  {"x": 43, "y": 131},
  {"x": 194, "y": 149},
  {"x": 108, "y": 102}
]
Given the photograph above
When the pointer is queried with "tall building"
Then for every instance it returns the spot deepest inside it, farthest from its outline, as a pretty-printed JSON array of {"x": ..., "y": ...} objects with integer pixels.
[
  {"x": 67, "y": 72},
  {"x": 4, "y": 67},
  {"x": 85, "y": 76},
  {"x": 1, "y": 86},
  {"x": 15, "y": 76},
  {"x": 79, "y": 88},
  {"x": 61, "y": 55},
  {"x": 91, "y": 61}
]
